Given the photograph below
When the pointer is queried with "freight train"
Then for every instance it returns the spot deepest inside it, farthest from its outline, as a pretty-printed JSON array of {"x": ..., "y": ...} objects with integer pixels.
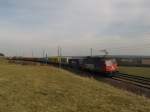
[{"x": 102, "y": 65}]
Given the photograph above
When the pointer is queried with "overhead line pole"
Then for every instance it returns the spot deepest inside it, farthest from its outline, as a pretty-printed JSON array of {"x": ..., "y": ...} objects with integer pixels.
[
  {"x": 59, "y": 55},
  {"x": 32, "y": 54},
  {"x": 91, "y": 51},
  {"x": 43, "y": 56},
  {"x": 43, "y": 53},
  {"x": 46, "y": 58}
]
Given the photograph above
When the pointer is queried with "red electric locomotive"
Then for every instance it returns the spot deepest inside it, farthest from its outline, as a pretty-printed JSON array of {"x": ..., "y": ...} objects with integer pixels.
[{"x": 103, "y": 65}]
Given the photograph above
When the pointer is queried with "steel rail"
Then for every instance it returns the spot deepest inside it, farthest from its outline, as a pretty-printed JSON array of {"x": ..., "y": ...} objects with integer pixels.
[
  {"x": 134, "y": 76},
  {"x": 133, "y": 83},
  {"x": 135, "y": 80}
]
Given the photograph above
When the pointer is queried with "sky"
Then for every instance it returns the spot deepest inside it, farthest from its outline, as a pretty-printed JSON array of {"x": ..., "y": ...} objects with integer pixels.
[{"x": 30, "y": 27}]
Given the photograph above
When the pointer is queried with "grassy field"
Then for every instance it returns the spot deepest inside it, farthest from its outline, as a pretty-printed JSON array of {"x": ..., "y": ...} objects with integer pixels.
[
  {"x": 47, "y": 89},
  {"x": 139, "y": 71}
]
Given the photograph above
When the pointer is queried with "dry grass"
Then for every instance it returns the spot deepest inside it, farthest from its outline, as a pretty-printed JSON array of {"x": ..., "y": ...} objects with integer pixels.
[
  {"x": 139, "y": 71},
  {"x": 47, "y": 89}
]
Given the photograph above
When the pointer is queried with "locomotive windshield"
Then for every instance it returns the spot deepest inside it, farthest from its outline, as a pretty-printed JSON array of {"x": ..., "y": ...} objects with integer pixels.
[{"x": 110, "y": 62}]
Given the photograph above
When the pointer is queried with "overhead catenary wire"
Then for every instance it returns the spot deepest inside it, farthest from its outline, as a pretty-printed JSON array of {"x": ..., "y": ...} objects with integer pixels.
[
  {"x": 133, "y": 47},
  {"x": 130, "y": 48}
]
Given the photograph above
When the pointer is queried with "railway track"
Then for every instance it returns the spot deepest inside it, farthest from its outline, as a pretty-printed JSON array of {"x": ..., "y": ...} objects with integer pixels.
[{"x": 134, "y": 80}]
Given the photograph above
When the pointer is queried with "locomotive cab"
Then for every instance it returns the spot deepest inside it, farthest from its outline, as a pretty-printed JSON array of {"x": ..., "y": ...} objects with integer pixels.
[{"x": 111, "y": 66}]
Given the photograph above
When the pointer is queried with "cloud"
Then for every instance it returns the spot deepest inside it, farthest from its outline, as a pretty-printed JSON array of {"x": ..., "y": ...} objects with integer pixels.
[{"x": 73, "y": 24}]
